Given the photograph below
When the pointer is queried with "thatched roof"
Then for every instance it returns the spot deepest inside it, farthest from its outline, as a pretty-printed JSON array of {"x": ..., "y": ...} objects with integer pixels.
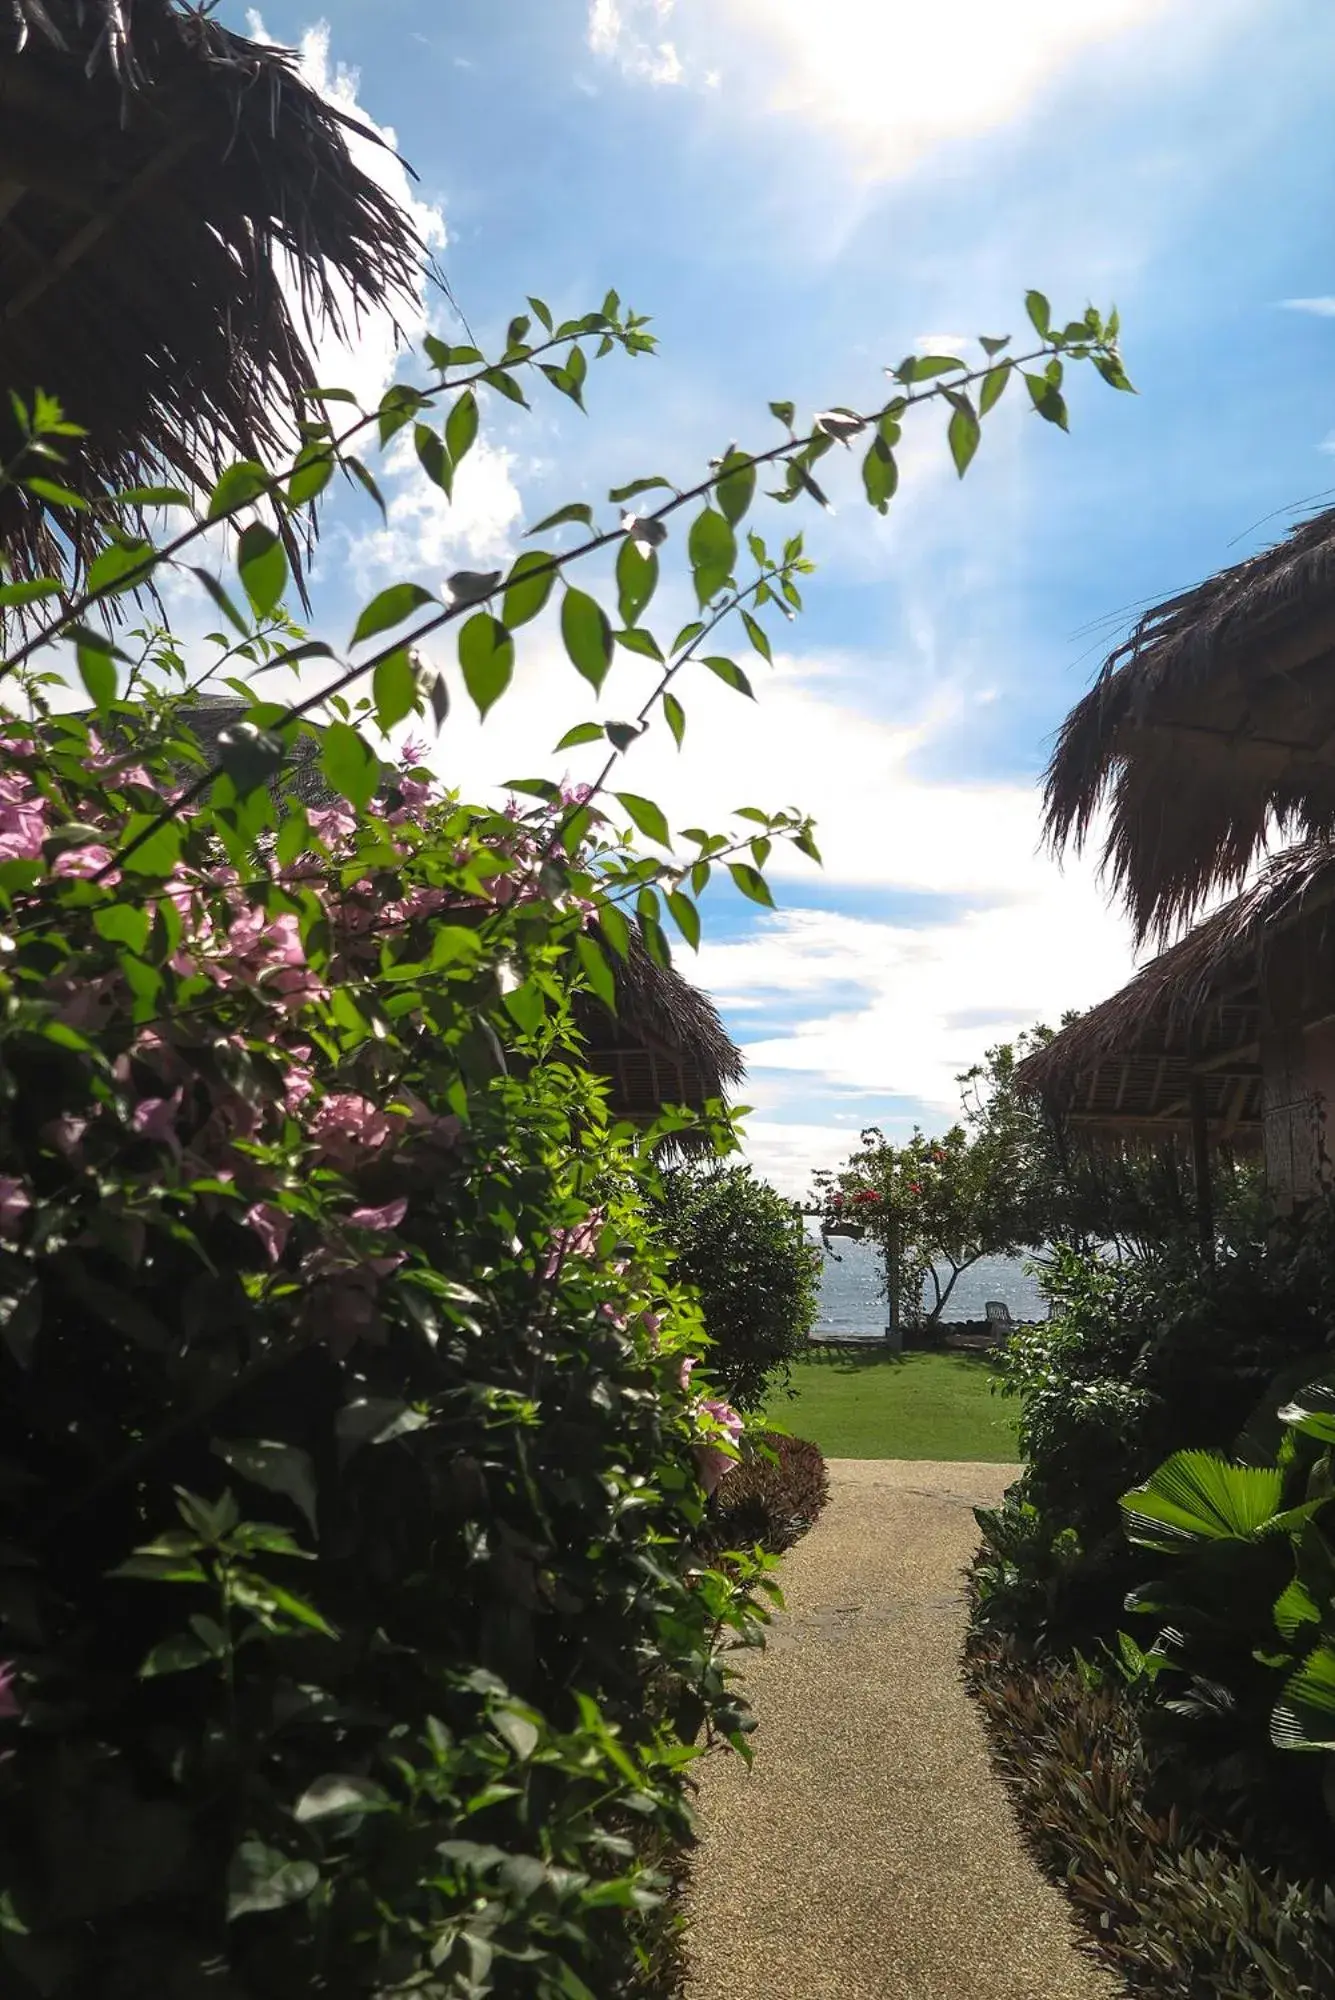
[
  {"x": 1191, "y": 1019},
  {"x": 664, "y": 1045},
  {"x": 1213, "y": 723},
  {"x": 158, "y": 176}
]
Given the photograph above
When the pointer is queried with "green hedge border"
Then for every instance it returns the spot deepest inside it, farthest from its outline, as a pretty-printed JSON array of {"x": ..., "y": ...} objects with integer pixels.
[{"x": 1170, "y": 1905}]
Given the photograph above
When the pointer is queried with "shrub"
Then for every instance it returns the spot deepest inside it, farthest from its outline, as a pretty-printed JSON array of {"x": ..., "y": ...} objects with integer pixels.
[
  {"x": 1139, "y": 1357},
  {"x": 771, "y": 1498},
  {"x": 1167, "y": 1898},
  {"x": 743, "y": 1248}
]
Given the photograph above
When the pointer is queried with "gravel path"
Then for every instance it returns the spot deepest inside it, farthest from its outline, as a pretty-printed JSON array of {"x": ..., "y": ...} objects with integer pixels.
[{"x": 871, "y": 1854}]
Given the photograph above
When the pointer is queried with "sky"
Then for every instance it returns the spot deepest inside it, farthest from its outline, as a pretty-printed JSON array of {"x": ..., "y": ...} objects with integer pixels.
[{"x": 800, "y": 194}]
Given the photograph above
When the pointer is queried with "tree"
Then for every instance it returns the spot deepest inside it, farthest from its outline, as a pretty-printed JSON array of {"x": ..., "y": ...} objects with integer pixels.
[{"x": 744, "y": 1250}]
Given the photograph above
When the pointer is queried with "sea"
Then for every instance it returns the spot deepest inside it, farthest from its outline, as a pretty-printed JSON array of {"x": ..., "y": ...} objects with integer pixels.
[{"x": 852, "y": 1294}]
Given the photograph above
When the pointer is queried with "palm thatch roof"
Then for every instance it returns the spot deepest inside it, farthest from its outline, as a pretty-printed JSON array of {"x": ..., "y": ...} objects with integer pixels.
[
  {"x": 1186, "y": 1031},
  {"x": 1210, "y": 726},
  {"x": 664, "y": 1045},
  {"x": 160, "y": 176}
]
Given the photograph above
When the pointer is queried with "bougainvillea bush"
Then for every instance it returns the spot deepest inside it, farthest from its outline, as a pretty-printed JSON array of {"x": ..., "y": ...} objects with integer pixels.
[{"x": 353, "y": 1636}]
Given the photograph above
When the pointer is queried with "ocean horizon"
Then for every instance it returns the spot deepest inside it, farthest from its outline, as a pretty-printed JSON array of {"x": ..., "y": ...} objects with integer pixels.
[{"x": 852, "y": 1289}]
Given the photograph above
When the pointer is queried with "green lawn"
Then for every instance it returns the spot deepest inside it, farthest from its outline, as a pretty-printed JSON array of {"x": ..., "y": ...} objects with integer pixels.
[{"x": 899, "y": 1406}]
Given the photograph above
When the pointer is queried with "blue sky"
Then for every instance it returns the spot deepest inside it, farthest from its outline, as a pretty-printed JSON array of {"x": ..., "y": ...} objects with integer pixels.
[{"x": 799, "y": 193}]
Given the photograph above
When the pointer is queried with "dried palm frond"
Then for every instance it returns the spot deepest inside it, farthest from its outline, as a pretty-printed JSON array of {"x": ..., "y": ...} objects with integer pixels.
[{"x": 160, "y": 177}]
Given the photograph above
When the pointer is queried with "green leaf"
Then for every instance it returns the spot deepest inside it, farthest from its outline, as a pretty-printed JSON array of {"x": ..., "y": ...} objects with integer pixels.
[
  {"x": 1304, "y": 1716},
  {"x": 1040, "y": 313},
  {"x": 336, "y": 1794},
  {"x": 310, "y": 475},
  {"x": 994, "y": 382},
  {"x": 1199, "y": 1496},
  {"x": 1111, "y": 369},
  {"x": 1047, "y": 400},
  {"x": 122, "y": 923},
  {"x": 686, "y": 917},
  {"x": 587, "y": 635},
  {"x": 461, "y": 426},
  {"x": 177, "y": 1655},
  {"x": 261, "y": 1879},
  {"x": 643, "y": 643},
  {"x": 505, "y": 385},
  {"x": 54, "y": 495},
  {"x": 433, "y": 458},
  {"x": 880, "y": 474},
  {"x": 637, "y": 486},
  {"x": 97, "y": 671},
  {"x": 736, "y": 486},
  {"x": 615, "y": 929},
  {"x": 31, "y": 592},
  {"x": 528, "y": 587},
  {"x": 577, "y": 510},
  {"x": 758, "y": 636},
  {"x": 730, "y": 674},
  {"x": 784, "y": 412},
  {"x": 712, "y": 548},
  {"x": 992, "y": 343},
  {"x": 239, "y": 485},
  {"x": 963, "y": 433},
  {"x": 676, "y": 716},
  {"x": 583, "y": 732},
  {"x": 1295, "y": 1607},
  {"x": 349, "y": 764},
  {"x": 542, "y": 311},
  {"x": 1312, "y": 1412},
  {"x": 120, "y": 566},
  {"x": 637, "y": 579},
  {"x": 622, "y": 734},
  {"x": 389, "y": 608},
  {"x": 261, "y": 563},
  {"x": 519, "y": 1731},
  {"x": 276, "y": 1467},
  {"x": 487, "y": 657},
  {"x": 647, "y": 816},
  {"x": 596, "y": 970},
  {"x": 751, "y": 883},
  {"x": 394, "y": 689}
]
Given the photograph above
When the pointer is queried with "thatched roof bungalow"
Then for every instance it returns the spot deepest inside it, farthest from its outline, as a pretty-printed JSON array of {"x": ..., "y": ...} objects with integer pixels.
[
  {"x": 1210, "y": 726},
  {"x": 161, "y": 179},
  {"x": 1227, "y": 1038}
]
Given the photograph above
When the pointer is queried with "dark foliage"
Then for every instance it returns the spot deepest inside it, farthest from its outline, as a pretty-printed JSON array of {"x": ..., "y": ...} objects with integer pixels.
[
  {"x": 771, "y": 1498},
  {"x": 1168, "y": 1900},
  {"x": 744, "y": 1249}
]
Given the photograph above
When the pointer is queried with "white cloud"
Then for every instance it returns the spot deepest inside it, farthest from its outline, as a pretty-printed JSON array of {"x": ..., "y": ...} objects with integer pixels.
[
  {"x": 1323, "y": 308},
  {"x": 363, "y": 359},
  {"x": 425, "y": 535},
  {"x": 892, "y": 82},
  {"x": 626, "y": 32}
]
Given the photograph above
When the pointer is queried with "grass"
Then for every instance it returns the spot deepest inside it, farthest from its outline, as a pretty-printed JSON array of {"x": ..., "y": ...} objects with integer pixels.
[{"x": 880, "y": 1405}]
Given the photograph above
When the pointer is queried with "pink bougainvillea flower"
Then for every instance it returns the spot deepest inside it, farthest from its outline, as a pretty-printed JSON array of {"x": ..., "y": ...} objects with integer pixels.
[
  {"x": 65, "y": 1133},
  {"x": 155, "y": 1118},
  {"x": 610, "y": 1312},
  {"x": 9, "y": 1703},
  {"x": 89, "y": 860},
  {"x": 272, "y": 1225},
  {"x": 332, "y": 824},
  {"x": 389, "y": 1216},
  {"x": 347, "y": 1128},
  {"x": 414, "y": 751},
  {"x": 689, "y": 1363},
  {"x": 22, "y": 830},
  {"x": 713, "y": 1462},
  {"x": 15, "y": 1201},
  {"x": 653, "y": 1324},
  {"x": 581, "y": 1241}
]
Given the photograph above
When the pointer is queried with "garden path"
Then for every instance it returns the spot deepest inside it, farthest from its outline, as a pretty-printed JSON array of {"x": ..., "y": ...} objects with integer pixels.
[{"x": 871, "y": 1853}]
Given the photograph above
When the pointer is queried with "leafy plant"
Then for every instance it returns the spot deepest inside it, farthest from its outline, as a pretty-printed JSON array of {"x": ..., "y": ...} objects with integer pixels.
[
  {"x": 744, "y": 1250},
  {"x": 773, "y": 1497},
  {"x": 310, "y": 1209}
]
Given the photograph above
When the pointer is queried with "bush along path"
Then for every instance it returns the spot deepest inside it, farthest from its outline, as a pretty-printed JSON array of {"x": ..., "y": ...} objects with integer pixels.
[{"x": 870, "y": 1851}]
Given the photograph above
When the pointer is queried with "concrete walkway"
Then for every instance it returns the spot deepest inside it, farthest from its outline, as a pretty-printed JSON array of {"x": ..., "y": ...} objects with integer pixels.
[{"x": 871, "y": 1854}]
